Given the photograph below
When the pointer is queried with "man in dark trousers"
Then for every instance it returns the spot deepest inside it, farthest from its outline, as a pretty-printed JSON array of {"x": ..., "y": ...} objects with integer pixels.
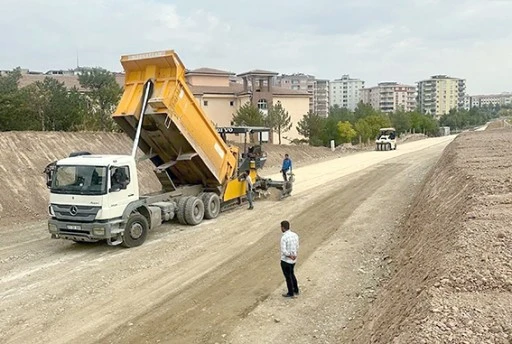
[
  {"x": 287, "y": 166},
  {"x": 249, "y": 187},
  {"x": 289, "y": 251}
]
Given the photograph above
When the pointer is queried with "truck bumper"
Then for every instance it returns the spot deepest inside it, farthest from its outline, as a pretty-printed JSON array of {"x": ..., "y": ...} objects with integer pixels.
[{"x": 88, "y": 232}]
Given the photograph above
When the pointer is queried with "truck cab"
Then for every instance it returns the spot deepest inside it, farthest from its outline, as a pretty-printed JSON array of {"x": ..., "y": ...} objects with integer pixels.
[{"x": 89, "y": 195}]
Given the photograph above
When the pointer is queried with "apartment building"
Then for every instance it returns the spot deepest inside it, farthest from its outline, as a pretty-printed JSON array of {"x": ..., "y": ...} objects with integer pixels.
[
  {"x": 390, "y": 97},
  {"x": 318, "y": 97},
  {"x": 321, "y": 102},
  {"x": 345, "y": 92},
  {"x": 503, "y": 99},
  {"x": 439, "y": 94}
]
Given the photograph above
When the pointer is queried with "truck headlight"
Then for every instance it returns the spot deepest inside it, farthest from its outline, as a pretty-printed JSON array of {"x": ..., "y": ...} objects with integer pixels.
[
  {"x": 52, "y": 228},
  {"x": 98, "y": 231}
]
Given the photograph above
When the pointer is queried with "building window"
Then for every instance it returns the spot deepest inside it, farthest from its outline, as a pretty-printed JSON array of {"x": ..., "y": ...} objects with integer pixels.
[
  {"x": 232, "y": 103},
  {"x": 205, "y": 102},
  {"x": 262, "y": 104}
]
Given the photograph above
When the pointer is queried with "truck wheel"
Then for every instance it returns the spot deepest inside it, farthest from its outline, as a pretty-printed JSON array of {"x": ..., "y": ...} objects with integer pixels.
[
  {"x": 211, "y": 203},
  {"x": 136, "y": 231},
  {"x": 194, "y": 211},
  {"x": 180, "y": 212}
]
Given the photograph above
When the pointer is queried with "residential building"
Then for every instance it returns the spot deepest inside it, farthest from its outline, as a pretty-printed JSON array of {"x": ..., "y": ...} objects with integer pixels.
[
  {"x": 345, "y": 92},
  {"x": 318, "y": 97},
  {"x": 390, "y": 97},
  {"x": 439, "y": 94},
  {"x": 503, "y": 99},
  {"x": 321, "y": 102},
  {"x": 220, "y": 94}
]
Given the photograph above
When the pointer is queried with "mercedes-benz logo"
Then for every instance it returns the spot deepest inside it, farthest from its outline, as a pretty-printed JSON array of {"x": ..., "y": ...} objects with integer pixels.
[{"x": 73, "y": 210}]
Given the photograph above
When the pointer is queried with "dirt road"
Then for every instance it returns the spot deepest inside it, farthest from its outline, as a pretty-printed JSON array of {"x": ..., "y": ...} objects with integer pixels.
[{"x": 219, "y": 281}]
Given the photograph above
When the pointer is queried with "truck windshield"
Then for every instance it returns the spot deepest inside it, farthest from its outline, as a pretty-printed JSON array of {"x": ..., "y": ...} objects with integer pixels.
[{"x": 81, "y": 180}]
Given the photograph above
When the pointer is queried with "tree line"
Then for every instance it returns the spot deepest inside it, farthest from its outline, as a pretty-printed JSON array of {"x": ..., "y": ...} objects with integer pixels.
[
  {"x": 461, "y": 119},
  {"x": 47, "y": 105}
]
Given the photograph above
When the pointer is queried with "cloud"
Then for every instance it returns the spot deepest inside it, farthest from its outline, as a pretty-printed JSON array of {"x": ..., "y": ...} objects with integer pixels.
[{"x": 375, "y": 40}]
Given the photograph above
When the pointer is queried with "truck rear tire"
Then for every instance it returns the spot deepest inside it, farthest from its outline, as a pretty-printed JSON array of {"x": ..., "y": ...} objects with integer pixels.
[
  {"x": 180, "y": 212},
  {"x": 211, "y": 203},
  {"x": 194, "y": 211},
  {"x": 135, "y": 231}
]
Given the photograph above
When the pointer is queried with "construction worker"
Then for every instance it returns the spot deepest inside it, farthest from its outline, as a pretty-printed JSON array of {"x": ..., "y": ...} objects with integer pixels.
[
  {"x": 249, "y": 188},
  {"x": 287, "y": 166},
  {"x": 289, "y": 251}
]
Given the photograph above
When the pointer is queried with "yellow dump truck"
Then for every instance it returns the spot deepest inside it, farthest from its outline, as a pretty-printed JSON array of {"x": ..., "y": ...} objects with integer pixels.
[{"x": 96, "y": 197}]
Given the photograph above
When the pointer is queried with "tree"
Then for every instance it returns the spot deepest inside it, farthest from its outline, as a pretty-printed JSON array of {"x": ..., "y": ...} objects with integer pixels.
[
  {"x": 341, "y": 114},
  {"x": 363, "y": 110},
  {"x": 14, "y": 111},
  {"x": 346, "y": 132},
  {"x": 249, "y": 115},
  {"x": 279, "y": 120},
  {"x": 363, "y": 130},
  {"x": 330, "y": 131},
  {"x": 311, "y": 126},
  {"x": 55, "y": 107},
  {"x": 368, "y": 127},
  {"x": 103, "y": 94},
  {"x": 401, "y": 121},
  {"x": 9, "y": 83}
]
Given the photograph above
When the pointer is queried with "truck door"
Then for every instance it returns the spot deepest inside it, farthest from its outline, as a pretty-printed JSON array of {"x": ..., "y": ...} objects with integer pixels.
[{"x": 121, "y": 189}]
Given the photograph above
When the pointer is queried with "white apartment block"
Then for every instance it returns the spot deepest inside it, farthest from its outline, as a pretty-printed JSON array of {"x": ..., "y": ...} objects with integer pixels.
[
  {"x": 318, "y": 96},
  {"x": 439, "y": 94},
  {"x": 390, "y": 97},
  {"x": 503, "y": 99},
  {"x": 345, "y": 92}
]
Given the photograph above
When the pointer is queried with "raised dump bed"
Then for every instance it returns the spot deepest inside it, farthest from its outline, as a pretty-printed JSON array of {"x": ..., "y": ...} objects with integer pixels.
[{"x": 176, "y": 134}]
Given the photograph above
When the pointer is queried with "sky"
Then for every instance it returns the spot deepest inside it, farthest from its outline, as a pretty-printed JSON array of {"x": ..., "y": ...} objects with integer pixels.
[{"x": 373, "y": 40}]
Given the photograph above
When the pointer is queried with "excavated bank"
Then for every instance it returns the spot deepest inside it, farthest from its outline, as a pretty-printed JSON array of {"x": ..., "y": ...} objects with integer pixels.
[{"x": 452, "y": 280}]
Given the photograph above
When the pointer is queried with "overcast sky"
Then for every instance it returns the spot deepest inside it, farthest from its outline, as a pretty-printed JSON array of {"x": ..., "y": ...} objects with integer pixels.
[{"x": 374, "y": 40}]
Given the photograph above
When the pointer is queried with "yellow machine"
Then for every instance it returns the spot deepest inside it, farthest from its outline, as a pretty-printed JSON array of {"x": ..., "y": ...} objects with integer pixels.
[{"x": 176, "y": 134}]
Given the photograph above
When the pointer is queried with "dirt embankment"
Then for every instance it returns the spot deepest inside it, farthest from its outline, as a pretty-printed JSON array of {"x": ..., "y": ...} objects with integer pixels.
[
  {"x": 24, "y": 155},
  {"x": 452, "y": 279}
]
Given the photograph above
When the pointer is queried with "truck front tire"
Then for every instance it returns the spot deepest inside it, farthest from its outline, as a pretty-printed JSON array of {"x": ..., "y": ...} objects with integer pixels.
[{"x": 135, "y": 231}]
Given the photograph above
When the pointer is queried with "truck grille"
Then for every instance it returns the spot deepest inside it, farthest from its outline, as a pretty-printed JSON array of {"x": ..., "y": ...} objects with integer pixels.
[{"x": 75, "y": 212}]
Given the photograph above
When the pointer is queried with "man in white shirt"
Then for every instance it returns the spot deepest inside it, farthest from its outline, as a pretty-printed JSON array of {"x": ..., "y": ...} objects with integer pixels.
[
  {"x": 249, "y": 185},
  {"x": 289, "y": 251}
]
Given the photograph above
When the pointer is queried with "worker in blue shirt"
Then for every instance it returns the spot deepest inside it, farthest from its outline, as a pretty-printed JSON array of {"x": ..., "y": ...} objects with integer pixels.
[{"x": 287, "y": 167}]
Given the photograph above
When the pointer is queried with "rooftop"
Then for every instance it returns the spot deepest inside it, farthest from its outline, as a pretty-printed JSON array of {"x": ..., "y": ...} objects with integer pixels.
[
  {"x": 209, "y": 71},
  {"x": 259, "y": 72}
]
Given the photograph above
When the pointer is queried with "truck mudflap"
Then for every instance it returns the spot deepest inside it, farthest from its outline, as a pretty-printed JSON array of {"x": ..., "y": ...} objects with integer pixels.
[{"x": 87, "y": 232}]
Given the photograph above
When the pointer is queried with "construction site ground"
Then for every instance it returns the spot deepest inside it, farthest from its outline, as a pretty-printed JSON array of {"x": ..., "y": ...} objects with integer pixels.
[{"x": 405, "y": 246}]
